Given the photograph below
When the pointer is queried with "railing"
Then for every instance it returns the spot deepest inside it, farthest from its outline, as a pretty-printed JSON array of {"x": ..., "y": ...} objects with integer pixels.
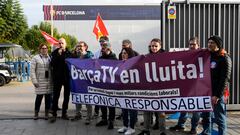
[{"x": 20, "y": 69}]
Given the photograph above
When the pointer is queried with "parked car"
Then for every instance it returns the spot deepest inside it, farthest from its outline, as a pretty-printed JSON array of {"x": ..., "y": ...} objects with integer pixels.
[{"x": 6, "y": 75}]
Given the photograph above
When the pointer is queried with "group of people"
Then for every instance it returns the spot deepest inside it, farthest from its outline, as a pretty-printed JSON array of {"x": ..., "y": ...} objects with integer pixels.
[{"x": 49, "y": 73}]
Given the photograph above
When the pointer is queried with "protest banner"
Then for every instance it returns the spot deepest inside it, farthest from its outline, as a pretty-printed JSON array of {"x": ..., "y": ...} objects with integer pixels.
[{"x": 176, "y": 81}]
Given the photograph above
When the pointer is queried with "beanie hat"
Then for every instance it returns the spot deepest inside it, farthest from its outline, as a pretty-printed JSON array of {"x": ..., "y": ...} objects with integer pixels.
[{"x": 218, "y": 40}]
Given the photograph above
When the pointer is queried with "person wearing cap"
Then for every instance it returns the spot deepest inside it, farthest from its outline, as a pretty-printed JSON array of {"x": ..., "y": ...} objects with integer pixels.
[
  {"x": 107, "y": 54},
  {"x": 221, "y": 66},
  {"x": 193, "y": 44},
  {"x": 98, "y": 53}
]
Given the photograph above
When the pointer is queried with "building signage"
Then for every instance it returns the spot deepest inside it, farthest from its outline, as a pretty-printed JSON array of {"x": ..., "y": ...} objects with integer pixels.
[{"x": 108, "y": 12}]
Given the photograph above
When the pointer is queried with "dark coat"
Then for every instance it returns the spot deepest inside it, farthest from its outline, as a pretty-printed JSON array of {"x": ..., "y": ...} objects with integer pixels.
[
  {"x": 111, "y": 56},
  {"x": 221, "y": 67},
  {"x": 134, "y": 54},
  {"x": 88, "y": 55},
  {"x": 60, "y": 72}
]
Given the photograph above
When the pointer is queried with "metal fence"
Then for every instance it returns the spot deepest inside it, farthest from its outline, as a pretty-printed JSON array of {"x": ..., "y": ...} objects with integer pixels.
[{"x": 203, "y": 20}]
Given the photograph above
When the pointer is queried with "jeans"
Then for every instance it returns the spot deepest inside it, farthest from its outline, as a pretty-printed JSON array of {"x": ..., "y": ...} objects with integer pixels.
[
  {"x": 219, "y": 110},
  {"x": 220, "y": 116},
  {"x": 194, "y": 121},
  {"x": 133, "y": 118},
  {"x": 147, "y": 116},
  {"x": 206, "y": 123},
  {"x": 89, "y": 110},
  {"x": 96, "y": 109}
]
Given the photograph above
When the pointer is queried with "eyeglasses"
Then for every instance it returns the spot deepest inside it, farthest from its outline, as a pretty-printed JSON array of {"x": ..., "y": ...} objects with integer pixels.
[
  {"x": 192, "y": 44},
  {"x": 153, "y": 46}
]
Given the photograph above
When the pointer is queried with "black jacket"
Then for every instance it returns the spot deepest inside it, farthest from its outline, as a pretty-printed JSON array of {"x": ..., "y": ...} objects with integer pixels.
[
  {"x": 111, "y": 56},
  {"x": 120, "y": 54},
  {"x": 60, "y": 72},
  {"x": 221, "y": 67}
]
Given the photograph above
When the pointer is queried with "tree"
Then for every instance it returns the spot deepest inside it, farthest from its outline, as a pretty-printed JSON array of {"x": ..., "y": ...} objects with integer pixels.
[
  {"x": 33, "y": 37},
  {"x": 45, "y": 26},
  {"x": 13, "y": 24}
]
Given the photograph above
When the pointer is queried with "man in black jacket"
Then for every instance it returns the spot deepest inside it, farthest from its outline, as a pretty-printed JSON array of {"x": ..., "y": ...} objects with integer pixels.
[
  {"x": 221, "y": 66},
  {"x": 107, "y": 54},
  {"x": 60, "y": 78}
]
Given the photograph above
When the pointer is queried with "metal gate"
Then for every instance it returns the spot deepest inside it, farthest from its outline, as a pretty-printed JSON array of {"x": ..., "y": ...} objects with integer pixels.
[{"x": 203, "y": 20}]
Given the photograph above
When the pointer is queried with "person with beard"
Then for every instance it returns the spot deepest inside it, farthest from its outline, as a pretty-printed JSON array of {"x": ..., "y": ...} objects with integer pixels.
[
  {"x": 221, "y": 67},
  {"x": 193, "y": 44},
  {"x": 81, "y": 52},
  {"x": 107, "y": 53}
]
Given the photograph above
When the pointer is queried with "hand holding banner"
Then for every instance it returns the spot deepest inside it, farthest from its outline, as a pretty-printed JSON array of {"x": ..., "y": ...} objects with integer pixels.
[{"x": 167, "y": 82}]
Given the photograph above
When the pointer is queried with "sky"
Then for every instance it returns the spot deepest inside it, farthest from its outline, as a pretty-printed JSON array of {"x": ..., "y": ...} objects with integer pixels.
[{"x": 34, "y": 12}]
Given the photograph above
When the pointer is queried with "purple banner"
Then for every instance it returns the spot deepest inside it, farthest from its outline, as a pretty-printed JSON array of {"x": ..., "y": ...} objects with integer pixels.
[{"x": 176, "y": 81}]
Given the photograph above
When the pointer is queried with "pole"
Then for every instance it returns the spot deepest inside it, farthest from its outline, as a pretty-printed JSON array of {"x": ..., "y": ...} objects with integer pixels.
[{"x": 51, "y": 12}]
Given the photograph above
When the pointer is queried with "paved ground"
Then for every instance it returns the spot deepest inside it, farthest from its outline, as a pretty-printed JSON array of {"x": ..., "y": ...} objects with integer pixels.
[{"x": 16, "y": 111}]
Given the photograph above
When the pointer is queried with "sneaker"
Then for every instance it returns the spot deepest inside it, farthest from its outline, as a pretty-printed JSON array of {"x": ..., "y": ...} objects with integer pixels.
[
  {"x": 110, "y": 125},
  {"x": 52, "y": 119},
  {"x": 122, "y": 130},
  {"x": 193, "y": 132},
  {"x": 102, "y": 123},
  {"x": 144, "y": 132},
  {"x": 129, "y": 131},
  {"x": 177, "y": 128}
]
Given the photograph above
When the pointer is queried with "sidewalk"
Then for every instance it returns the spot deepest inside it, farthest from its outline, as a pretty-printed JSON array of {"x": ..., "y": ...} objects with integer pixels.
[{"x": 16, "y": 111}]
